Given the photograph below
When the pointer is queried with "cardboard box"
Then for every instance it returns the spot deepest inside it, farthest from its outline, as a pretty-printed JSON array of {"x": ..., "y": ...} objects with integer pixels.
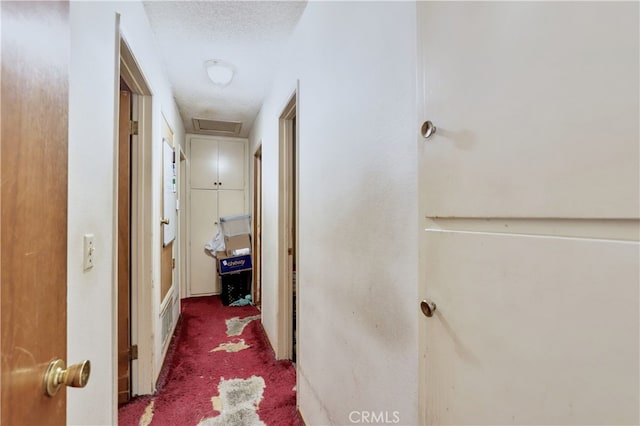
[
  {"x": 237, "y": 242},
  {"x": 231, "y": 264},
  {"x": 229, "y": 261}
]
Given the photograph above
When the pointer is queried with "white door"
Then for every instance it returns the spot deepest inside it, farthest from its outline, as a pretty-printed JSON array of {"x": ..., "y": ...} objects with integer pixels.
[
  {"x": 231, "y": 165},
  {"x": 231, "y": 203},
  {"x": 529, "y": 199},
  {"x": 207, "y": 206},
  {"x": 203, "y": 224},
  {"x": 204, "y": 163},
  {"x": 217, "y": 163}
]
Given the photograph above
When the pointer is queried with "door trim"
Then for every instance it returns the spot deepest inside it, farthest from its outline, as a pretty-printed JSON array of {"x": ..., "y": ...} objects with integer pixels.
[
  {"x": 124, "y": 244},
  {"x": 182, "y": 222},
  {"x": 257, "y": 226},
  {"x": 284, "y": 345},
  {"x": 141, "y": 224}
]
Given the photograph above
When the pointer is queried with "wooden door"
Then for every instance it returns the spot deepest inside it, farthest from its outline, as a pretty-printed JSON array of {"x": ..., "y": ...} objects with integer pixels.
[
  {"x": 530, "y": 213},
  {"x": 204, "y": 163},
  {"x": 231, "y": 165},
  {"x": 33, "y": 150},
  {"x": 124, "y": 246}
]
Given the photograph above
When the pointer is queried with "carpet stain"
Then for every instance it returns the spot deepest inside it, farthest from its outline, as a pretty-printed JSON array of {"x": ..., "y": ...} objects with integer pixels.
[
  {"x": 238, "y": 402},
  {"x": 231, "y": 346},
  {"x": 235, "y": 325},
  {"x": 217, "y": 403},
  {"x": 147, "y": 416}
]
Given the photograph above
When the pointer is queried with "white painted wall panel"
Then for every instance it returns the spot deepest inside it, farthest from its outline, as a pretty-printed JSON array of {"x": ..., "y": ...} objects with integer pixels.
[
  {"x": 357, "y": 208},
  {"x": 93, "y": 89}
]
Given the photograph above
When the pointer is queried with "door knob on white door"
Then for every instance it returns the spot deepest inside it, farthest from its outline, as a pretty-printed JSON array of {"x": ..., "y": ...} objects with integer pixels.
[
  {"x": 427, "y": 307},
  {"x": 427, "y": 129},
  {"x": 76, "y": 376}
]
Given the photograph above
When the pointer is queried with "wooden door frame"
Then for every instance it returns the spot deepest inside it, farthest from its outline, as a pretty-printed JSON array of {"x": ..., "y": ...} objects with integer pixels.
[
  {"x": 182, "y": 223},
  {"x": 124, "y": 243},
  {"x": 284, "y": 345},
  {"x": 257, "y": 226},
  {"x": 141, "y": 223}
]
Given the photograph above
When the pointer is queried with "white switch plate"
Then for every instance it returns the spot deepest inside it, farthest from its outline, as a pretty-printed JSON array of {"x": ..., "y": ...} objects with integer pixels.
[{"x": 89, "y": 250}]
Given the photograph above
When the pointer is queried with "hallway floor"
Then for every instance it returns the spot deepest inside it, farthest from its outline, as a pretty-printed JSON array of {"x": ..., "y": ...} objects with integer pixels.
[{"x": 220, "y": 370}]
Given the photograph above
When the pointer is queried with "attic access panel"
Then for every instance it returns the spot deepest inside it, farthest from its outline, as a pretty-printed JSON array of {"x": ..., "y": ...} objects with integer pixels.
[{"x": 217, "y": 127}]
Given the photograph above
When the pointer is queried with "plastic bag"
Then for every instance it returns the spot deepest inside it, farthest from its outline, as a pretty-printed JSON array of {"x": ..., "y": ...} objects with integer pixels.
[{"x": 215, "y": 244}]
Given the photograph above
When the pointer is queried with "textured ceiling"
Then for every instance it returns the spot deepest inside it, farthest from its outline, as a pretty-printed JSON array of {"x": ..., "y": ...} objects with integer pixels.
[{"x": 250, "y": 35}]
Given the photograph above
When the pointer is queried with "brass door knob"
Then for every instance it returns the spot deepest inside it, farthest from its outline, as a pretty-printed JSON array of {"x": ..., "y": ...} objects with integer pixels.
[
  {"x": 76, "y": 376},
  {"x": 164, "y": 221},
  {"x": 428, "y": 307}
]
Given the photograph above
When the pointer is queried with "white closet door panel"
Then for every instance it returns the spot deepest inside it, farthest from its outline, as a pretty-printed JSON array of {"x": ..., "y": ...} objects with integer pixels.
[
  {"x": 203, "y": 217},
  {"x": 530, "y": 330},
  {"x": 536, "y": 108},
  {"x": 231, "y": 203},
  {"x": 204, "y": 163},
  {"x": 231, "y": 165}
]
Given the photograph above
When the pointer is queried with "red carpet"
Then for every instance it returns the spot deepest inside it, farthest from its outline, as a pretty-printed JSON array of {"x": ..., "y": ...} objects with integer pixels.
[{"x": 192, "y": 373}]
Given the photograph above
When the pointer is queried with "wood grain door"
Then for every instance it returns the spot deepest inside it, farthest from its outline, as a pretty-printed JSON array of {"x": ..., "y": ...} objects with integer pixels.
[
  {"x": 529, "y": 209},
  {"x": 33, "y": 150},
  {"x": 124, "y": 246}
]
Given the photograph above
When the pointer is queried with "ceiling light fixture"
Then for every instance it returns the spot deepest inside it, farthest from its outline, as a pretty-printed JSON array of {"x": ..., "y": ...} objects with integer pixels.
[{"x": 219, "y": 72}]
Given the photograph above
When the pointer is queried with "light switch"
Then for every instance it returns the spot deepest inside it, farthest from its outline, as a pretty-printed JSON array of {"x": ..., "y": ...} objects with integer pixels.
[{"x": 89, "y": 250}]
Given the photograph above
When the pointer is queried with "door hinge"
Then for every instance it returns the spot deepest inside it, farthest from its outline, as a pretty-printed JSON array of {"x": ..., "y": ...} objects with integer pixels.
[
  {"x": 173, "y": 263},
  {"x": 134, "y": 127},
  {"x": 133, "y": 352}
]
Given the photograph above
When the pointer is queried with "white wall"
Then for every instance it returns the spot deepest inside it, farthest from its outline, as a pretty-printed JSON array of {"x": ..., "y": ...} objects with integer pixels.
[
  {"x": 357, "y": 208},
  {"x": 94, "y": 80}
]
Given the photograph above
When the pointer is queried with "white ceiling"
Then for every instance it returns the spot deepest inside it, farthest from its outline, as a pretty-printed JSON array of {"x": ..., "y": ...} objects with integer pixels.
[{"x": 250, "y": 35}]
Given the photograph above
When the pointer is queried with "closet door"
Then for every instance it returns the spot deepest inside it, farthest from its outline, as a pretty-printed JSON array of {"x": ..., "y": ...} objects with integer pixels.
[
  {"x": 231, "y": 165},
  {"x": 529, "y": 213},
  {"x": 217, "y": 188},
  {"x": 204, "y": 163},
  {"x": 231, "y": 203},
  {"x": 203, "y": 220}
]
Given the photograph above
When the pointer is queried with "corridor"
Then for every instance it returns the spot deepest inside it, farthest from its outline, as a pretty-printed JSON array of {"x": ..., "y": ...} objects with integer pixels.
[
  {"x": 220, "y": 370},
  {"x": 442, "y": 202}
]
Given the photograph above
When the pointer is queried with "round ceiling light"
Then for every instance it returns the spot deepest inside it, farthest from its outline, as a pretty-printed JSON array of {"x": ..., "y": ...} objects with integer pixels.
[{"x": 220, "y": 73}]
